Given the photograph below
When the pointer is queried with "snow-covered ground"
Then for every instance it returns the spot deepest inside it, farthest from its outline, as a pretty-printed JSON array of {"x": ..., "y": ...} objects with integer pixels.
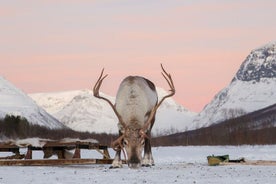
[{"x": 173, "y": 165}]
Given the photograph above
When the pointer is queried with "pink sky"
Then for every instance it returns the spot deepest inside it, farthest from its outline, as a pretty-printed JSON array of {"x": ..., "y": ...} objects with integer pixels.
[{"x": 48, "y": 46}]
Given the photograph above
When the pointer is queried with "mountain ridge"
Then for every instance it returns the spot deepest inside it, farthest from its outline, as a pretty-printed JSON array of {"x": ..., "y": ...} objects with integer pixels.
[
  {"x": 260, "y": 63},
  {"x": 14, "y": 101},
  {"x": 252, "y": 88}
]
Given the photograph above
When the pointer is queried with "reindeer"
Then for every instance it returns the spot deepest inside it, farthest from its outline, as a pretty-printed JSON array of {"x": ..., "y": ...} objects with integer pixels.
[{"x": 135, "y": 107}]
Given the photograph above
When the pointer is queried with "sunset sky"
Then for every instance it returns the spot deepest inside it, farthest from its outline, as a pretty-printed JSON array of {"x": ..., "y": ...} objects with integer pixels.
[{"x": 58, "y": 45}]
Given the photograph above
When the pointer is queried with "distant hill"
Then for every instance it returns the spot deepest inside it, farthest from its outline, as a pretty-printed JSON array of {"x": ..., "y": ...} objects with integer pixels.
[
  {"x": 15, "y": 102},
  {"x": 258, "y": 127}
]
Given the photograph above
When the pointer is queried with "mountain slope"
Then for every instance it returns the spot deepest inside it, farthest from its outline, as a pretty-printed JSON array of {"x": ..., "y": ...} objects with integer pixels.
[
  {"x": 15, "y": 102},
  {"x": 258, "y": 127},
  {"x": 81, "y": 111},
  {"x": 253, "y": 88}
]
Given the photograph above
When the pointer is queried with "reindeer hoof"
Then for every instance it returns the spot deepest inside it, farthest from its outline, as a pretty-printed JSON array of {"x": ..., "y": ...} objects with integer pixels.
[
  {"x": 116, "y": 164},
  {"x": 147, "y": 161}
]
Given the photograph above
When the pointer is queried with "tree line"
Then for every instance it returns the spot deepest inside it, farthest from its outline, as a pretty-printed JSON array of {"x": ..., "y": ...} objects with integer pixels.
[
  {"x": 17, "y": 127},
  {"x": 254, "y": 128}
]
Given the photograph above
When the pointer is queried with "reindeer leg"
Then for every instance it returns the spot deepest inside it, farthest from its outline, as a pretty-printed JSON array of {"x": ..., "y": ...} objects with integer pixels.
[
  {"x": 148, "y": 159},
  {"x": 117, "y": 162}
]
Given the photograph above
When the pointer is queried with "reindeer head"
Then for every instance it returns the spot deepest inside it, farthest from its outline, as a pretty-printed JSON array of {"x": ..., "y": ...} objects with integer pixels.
[
  {"x": 132, "y": 141},
  {"x": 134, "y": 144}
]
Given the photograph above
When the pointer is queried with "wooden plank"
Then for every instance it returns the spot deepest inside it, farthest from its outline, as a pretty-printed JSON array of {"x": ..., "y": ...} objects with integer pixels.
[
  {"x": 72, "y": 144},
  {"x": 54, "y": 162},
  {"x": 14, "y": 150},
  {"x": 9, "y": 148}
]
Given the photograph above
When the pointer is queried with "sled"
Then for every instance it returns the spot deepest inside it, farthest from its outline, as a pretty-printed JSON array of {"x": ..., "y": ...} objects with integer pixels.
[
  {"x": 49, "y": 148},
  {"x": 216, "y": 160}
]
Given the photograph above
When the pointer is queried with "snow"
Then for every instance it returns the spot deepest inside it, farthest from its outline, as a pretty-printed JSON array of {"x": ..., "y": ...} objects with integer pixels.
[
  {"x": 38, "y": 142},
  {"x": 16, "y": 102},
  {"x": 55, "y": 101},
  {"x": 173, "y": 165}
]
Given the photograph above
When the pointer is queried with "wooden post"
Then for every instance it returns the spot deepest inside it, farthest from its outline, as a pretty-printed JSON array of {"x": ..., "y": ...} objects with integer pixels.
[
  {"x": 106, "y": 154},
  {"x": 29, "y": 153},
  {"x": 77, "y": 153},
  {"x": 61, "y": 153}
]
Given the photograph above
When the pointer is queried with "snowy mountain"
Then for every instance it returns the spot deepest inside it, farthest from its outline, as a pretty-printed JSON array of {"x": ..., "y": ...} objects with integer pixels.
[
  {"x": 15, "y": 102},
  {"x": 81, "y": 111},
  {"x": 253, "y": 88}
]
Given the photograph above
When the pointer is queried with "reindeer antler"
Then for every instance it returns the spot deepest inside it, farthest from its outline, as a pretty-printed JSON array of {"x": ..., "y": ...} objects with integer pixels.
[
  {"x": 169, "y": 80},
  {"x": 96, "y": 93}
]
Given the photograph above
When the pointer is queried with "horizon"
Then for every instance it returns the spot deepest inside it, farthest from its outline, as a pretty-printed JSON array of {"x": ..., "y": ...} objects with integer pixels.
[{"x": 49, "y": 46}]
